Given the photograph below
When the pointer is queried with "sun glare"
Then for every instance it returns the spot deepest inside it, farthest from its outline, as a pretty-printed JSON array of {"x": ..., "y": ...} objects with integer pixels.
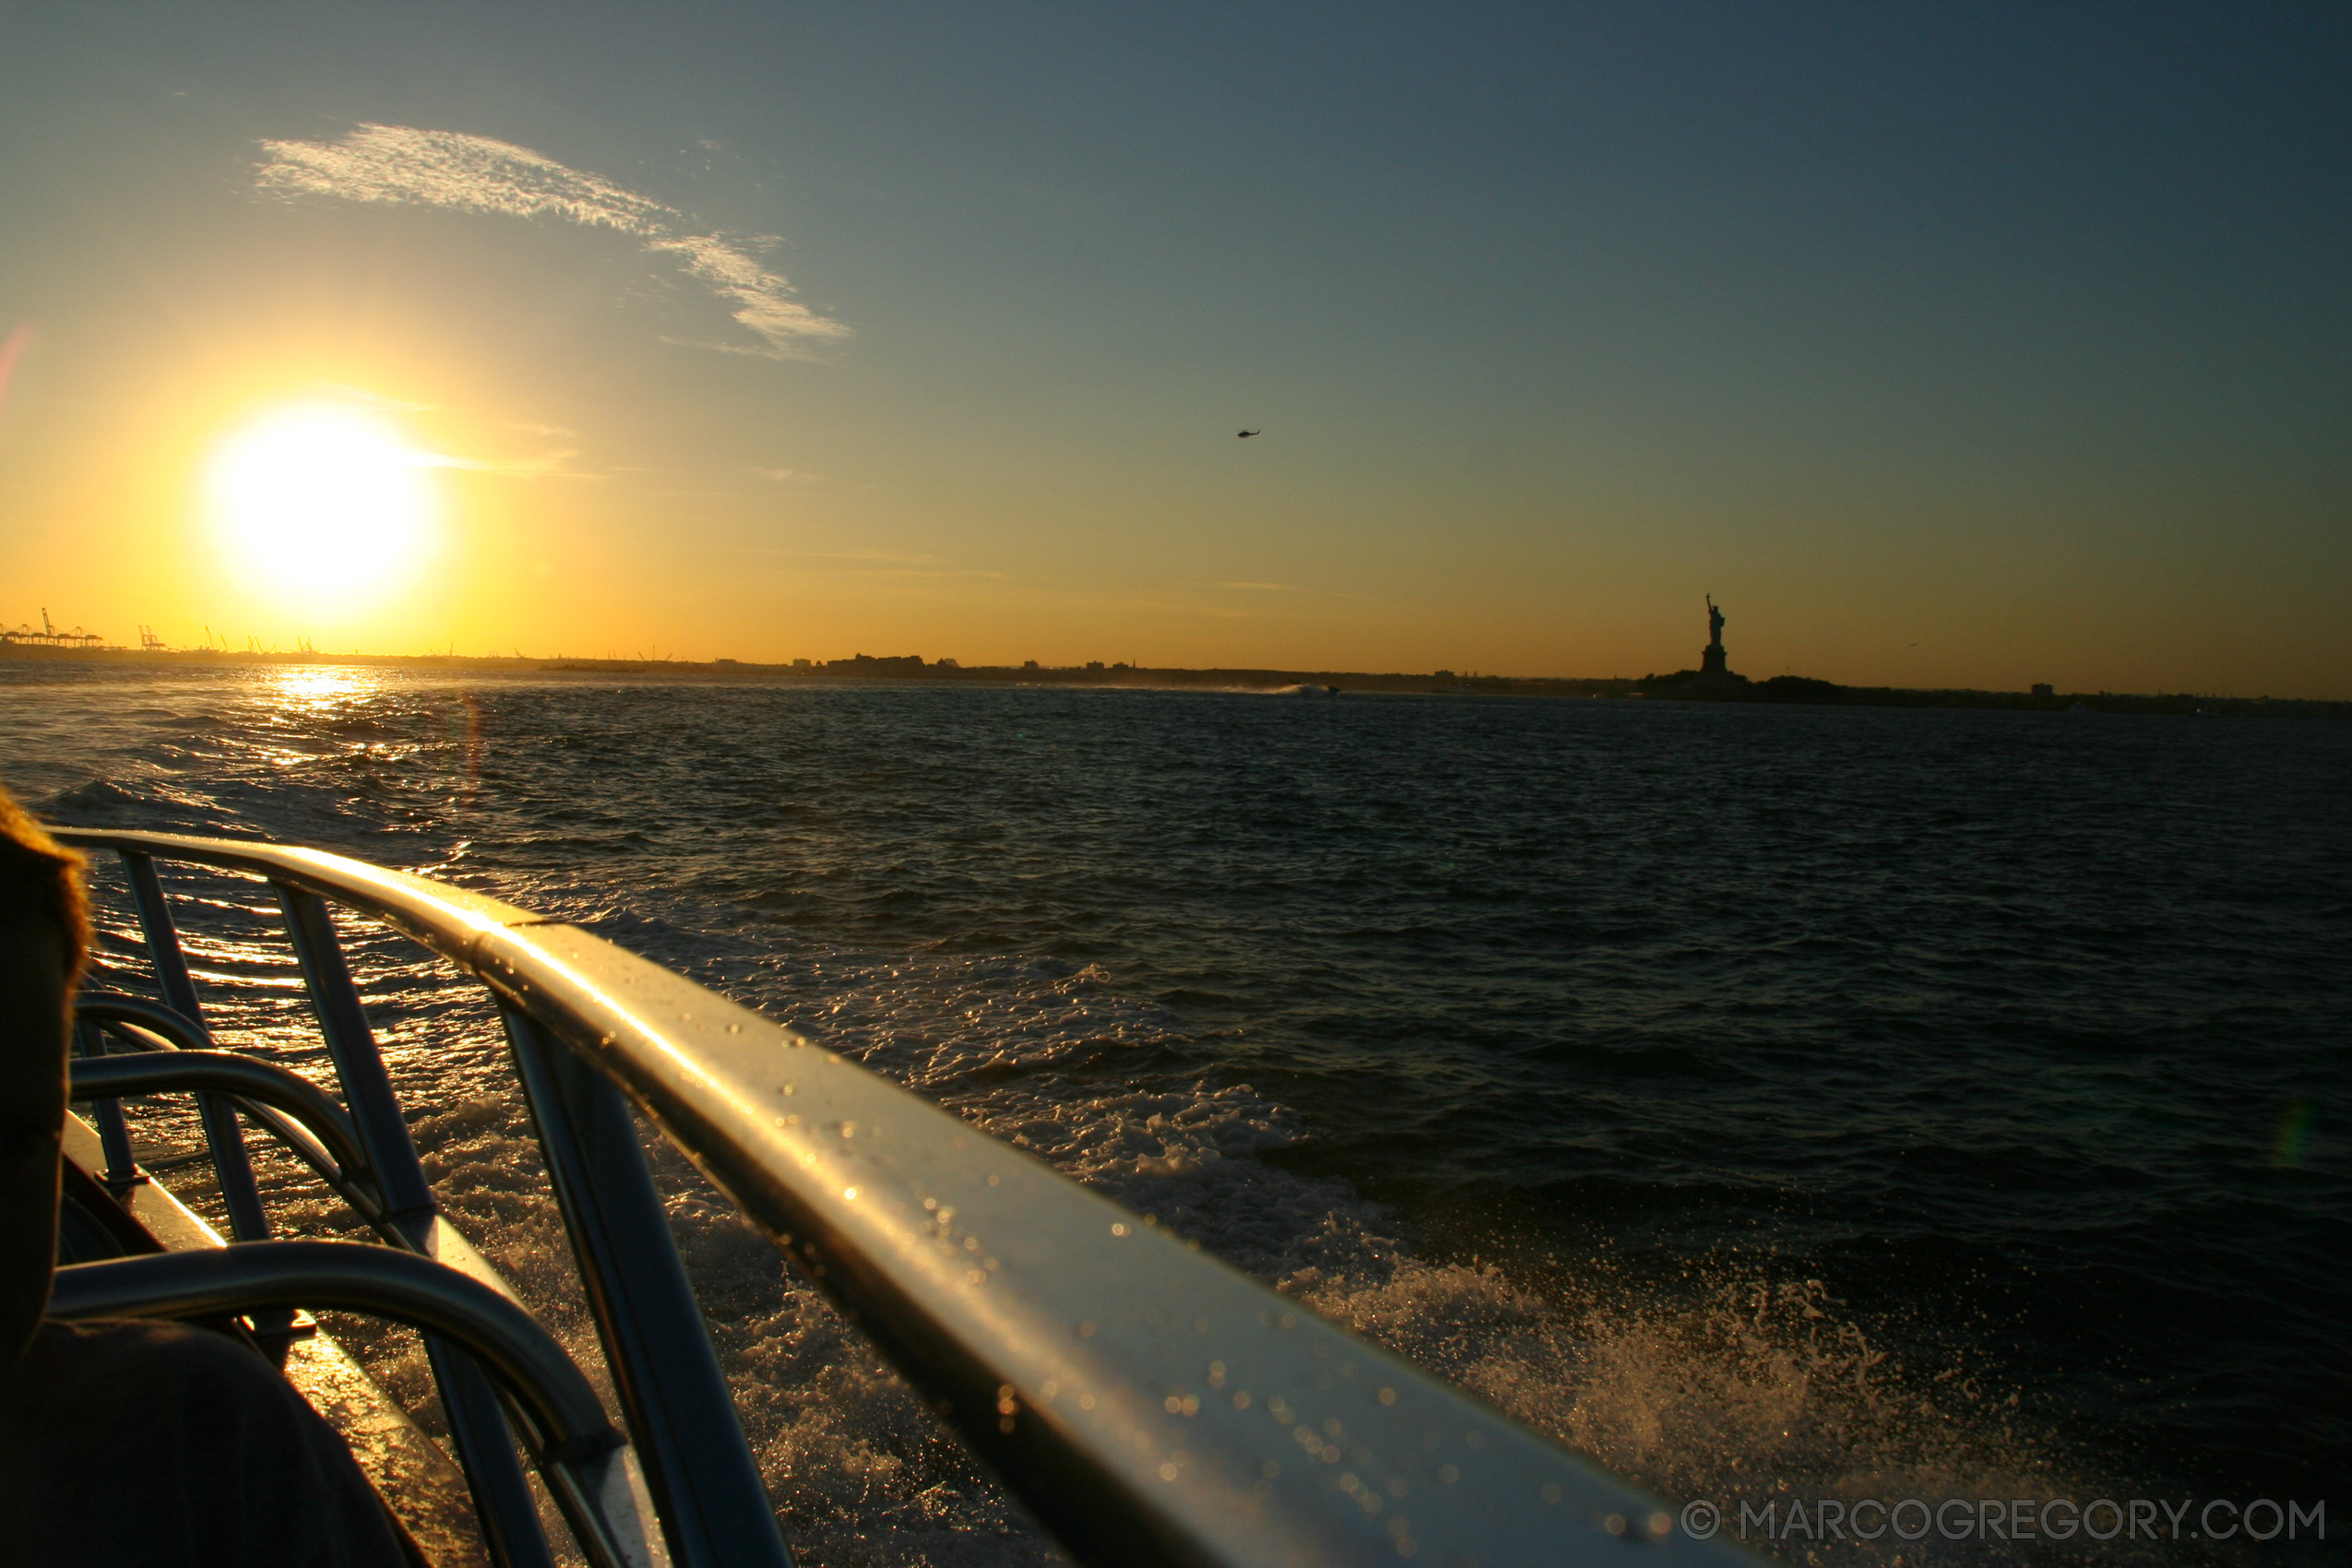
[{"x": 325, "y": 501}]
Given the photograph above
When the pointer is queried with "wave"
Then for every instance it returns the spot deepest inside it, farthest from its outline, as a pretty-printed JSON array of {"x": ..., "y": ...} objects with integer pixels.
[{"x": 1718, "y": 1375}]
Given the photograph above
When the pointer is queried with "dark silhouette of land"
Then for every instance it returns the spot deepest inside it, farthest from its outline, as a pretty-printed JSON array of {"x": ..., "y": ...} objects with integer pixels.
[{"x": 1681, "y": 686}]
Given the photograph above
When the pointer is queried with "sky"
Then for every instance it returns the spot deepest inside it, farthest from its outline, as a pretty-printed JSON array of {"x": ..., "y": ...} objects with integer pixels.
[{"x": 1977, "y": 345}]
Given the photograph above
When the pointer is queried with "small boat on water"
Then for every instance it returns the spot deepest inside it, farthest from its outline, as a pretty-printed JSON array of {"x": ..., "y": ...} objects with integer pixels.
[{"x": 1149, "y": 1404}]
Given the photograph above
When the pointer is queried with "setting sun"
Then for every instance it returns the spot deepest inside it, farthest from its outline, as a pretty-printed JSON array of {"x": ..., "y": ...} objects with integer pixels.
[{"x": 323, "y": 499}]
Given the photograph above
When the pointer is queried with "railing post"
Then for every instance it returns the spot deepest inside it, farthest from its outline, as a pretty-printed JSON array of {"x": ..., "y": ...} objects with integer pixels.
[
  {"x": 231, "y": 1164},
  {"x": 478, "y": 1430},
  {"x": 113, "y": 1131},
  {"x": 714, "y": 1508},
  {"x": 359, "y": 1066},
  {"x": 162, "y": 938},
  {"x": 234, "y": 1167},
  {"x": 477, "y": 1426}
]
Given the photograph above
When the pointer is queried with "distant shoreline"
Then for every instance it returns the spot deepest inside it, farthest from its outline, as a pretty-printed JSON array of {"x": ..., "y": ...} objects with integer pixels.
[{"x": 1680, "y": 686}]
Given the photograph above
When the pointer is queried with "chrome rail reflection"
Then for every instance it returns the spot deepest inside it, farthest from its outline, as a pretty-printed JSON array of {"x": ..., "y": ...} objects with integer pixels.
[
  {"x": 710, "y": 1501},
  {"x": 160, "y": 1030},
  {"x": 1149, "y": 1403},
  {"x": 251, "y": 1080},
  {"x": 582, "y": 1460}
]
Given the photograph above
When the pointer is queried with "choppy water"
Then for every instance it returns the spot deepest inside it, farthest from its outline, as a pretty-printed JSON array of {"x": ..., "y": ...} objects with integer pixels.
[{"x": 1768, "y": 1101}]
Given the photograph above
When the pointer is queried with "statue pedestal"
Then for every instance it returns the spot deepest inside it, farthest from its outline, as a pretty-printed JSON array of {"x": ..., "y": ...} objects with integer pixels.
[{"x": 1711, "y": 662}]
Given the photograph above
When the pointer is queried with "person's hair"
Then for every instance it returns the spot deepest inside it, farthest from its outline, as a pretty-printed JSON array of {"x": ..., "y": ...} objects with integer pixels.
[{"x": 41, "y": 879}]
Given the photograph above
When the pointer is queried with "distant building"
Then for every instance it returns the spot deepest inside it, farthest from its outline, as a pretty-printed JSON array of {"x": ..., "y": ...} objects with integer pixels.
[{"x": 2044, "y": 689}]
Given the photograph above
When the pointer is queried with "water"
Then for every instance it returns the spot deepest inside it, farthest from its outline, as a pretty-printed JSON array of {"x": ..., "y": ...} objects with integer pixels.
[{"x": 1768, "y": 1101}]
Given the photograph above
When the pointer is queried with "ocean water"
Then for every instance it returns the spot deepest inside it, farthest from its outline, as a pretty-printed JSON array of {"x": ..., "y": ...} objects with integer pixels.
[{"x": 1773, "y": 1103}]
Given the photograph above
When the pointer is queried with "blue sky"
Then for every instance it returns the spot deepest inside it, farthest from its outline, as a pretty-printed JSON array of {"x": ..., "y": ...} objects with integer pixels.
[{"x": 1972, "y": 345}]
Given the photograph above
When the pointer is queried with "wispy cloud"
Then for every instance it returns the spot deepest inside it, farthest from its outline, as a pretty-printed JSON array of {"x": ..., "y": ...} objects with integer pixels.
[
  {"x": 402, "y": 165},
  {"x": 880, "y": 563},
  {"x": 543, "y": 464},
  {"x": 459, "y": 427},
  {"x": 1308, "y": 593}
]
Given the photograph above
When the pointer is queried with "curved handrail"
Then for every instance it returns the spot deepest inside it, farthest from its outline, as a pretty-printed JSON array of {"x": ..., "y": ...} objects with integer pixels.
[
  {"x": 343, "y": 1167},
  {"x": 383, "y": 1281},
  {"x": 225, "y": 1071},
  {"x": 1151, "y": 1404},
  {"x": 173, "y": 1026},
  {"x": 586, "y": 1463}
]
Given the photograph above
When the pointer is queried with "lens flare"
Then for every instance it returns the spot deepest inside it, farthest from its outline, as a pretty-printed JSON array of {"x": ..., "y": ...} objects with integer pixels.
[{"x": 323, "y": 501}]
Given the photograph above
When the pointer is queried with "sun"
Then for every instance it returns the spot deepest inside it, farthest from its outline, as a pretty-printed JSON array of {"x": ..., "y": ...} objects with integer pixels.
[{"x": 323, "y": 499}]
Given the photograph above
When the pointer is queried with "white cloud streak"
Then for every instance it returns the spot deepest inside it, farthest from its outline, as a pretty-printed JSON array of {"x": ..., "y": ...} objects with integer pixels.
[{"x": 399, "y": 165}]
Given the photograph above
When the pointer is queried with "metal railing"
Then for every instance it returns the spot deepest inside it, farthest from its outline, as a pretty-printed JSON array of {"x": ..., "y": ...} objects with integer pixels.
[
  {"x": 582, "y": 1460},
  {"x": 1151, "y": 1405}
]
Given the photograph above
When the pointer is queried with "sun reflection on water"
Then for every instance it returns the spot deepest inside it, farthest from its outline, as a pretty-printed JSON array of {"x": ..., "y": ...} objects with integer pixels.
[{"x": 316, "y": 687}]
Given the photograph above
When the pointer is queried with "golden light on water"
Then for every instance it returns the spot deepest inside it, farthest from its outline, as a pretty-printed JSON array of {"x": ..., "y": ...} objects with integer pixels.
[
  {"x": 326, "y": 501},
  {"x": 318, "y": 687}
]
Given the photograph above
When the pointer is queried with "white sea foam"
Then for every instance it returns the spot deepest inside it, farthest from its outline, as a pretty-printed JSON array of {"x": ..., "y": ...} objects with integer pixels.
[{"x": 1749, "y": 1381}]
